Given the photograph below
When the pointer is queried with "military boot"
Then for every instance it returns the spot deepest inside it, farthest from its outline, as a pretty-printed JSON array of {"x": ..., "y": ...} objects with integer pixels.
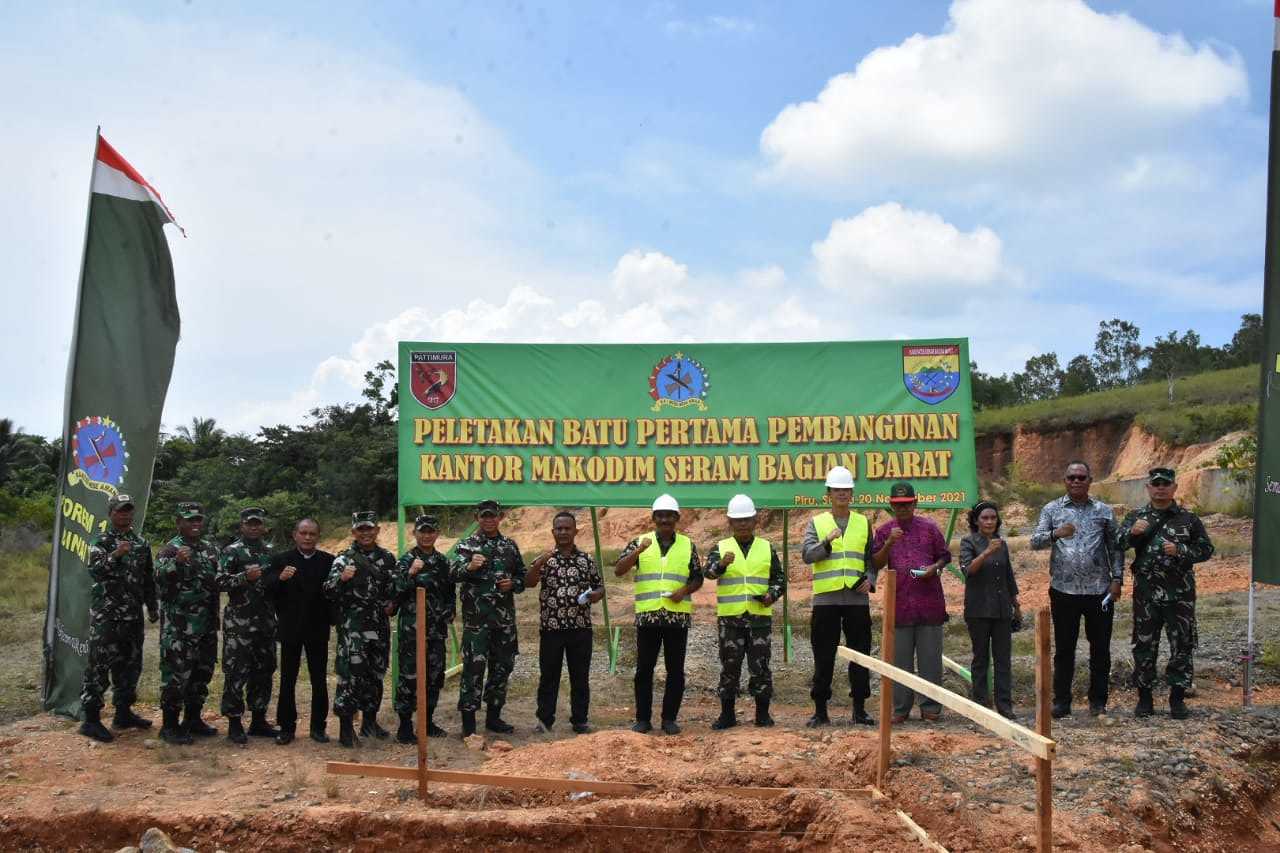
[
  {"x": 1146, "y": 705},
  {"x": 493, "y": 721},
  {"x": 235, "y": 731},
  {"x": 468, "y": 723},
  {"x": 1177, "y": 703},
  {"x": 346, "y": 731},
  {"x": 728, "y": 716},
  {"x": 195, "y": 725},
  {"x": 92, "y": 726},
  {"x": 860, "y": 715},
  {"x": 259, "y": 727},
  {"x": 432, "y": 729},
  {"x": 171, "y": 731},
  {"x": 126, "y": 719},
  {"x": 369, "y": 726},
  {"x": 819, "y": 717},
  {"x": 405, "y": 733},
  {"x": 762, "y": 712}
]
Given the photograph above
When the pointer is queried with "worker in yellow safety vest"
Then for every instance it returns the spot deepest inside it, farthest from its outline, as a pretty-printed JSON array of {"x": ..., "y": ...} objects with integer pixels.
[
  {"x": 749, "y": 579},
  {"x": 837, "y": 545},
  {"x": 667, "y": 573}
]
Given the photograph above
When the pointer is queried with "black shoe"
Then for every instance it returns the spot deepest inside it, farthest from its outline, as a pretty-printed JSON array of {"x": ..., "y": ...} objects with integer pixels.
[
  {"x": 669, "y": 727},
  {"x": 543, "y": 726},
  {"x": 259, "y": 727},
  {"x": 435, "y": 731},
  {"x": 642, "y": 727},
  {"x": 369, "y": 727},
  {"x": 493, "y": 721},
  {"x": 320, "y": 736},
  {"x": 1060, "y": 710},
  {"x": 819, "y": 717},
  {"x": 196, "y": 726},
  {"x": 92, "y": 727},
  {"x": 861, "y": 717},
  {"x": 728, "y": 716},
  {"x": 763, "y": 720},
  {"x": 1146, "y": 704},
  {"x": 582, "y": 728},
  {"x": 346, "y": 732},
  {"x": 285, "y": 737},
  {"x": 235, "y": 731},
  {"x": 1097, "y": 710},
  {"x": 1177, "y": 703},
  {"x": 468, "y": 723},
  {"x": 405, "y": 734},
  {"x": 172, "y": 731},
  {"x": 126, "y": 719},
  {"x": 1008, "y": 714}
]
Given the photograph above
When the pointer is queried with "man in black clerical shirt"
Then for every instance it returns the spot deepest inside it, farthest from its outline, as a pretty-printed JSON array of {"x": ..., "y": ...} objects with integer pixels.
[{"x": 303, "y": 626}]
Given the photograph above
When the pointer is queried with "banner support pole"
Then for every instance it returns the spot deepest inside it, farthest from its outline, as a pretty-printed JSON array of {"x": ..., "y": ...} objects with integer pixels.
[
  {"x": 786, "y": 588},
  {"x": 395, "y": 634},
  {"x": 1248, "y": 652},
  {"x": 604, "y": 602}
]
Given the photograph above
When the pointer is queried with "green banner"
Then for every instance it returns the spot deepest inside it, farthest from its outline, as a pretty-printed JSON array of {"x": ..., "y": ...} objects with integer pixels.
[
  {"x": 616, "y": 425},
  {"x": 1266, "y": 510},
  {"x": 126, "y": 329}
]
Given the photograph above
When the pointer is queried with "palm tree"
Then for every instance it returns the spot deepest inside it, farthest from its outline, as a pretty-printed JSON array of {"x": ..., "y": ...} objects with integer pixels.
[
  {"x": 204, "y": 434},
  {"x": 15, "y": 449}
]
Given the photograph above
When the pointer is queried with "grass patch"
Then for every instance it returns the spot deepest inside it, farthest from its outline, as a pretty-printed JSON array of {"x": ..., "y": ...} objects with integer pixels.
[
  {"x": 1206, "y": 401},
  {"x": 25, "y": 582},
  {"x": 1230, "y": 545}
]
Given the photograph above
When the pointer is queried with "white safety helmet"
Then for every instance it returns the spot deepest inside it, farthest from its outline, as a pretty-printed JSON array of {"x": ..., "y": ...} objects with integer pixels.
[
  {"x": 839, "y": 477},
  {"x": 666, "y": 502},
  {"x": 741, "y": 506}
]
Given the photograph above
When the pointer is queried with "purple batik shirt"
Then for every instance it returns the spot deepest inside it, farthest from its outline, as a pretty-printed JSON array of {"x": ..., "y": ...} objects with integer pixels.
[{"x": 919, "y": 601}]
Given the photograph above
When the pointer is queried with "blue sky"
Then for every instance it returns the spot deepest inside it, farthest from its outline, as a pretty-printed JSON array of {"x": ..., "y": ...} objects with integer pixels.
[{"x": 1010, "y": 170}]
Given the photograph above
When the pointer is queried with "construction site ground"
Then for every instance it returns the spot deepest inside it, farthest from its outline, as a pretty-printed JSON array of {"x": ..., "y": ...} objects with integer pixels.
[{"x": 1120, "y": 784}]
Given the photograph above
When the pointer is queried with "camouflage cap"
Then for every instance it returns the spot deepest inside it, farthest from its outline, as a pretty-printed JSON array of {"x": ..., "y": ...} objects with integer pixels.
[
  {"x": 252, "y": 513},
  {"x": 367, "y": 518},
  {"x": 902, "y": 493},
  {"x": 425, "y": 522},
  {"x": 1156, "y": 475},
  {"x": 488, "y": 506},
  {"x": 119, "y": 502},
  {"x": 190, "y": 509}
]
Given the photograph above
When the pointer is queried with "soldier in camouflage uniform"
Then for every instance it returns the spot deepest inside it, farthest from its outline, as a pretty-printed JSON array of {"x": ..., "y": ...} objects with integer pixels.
[
  {"x": 123, "y": 582},
  {"x": 491, "y": 571},
  {"x": 1168, "y": 541},
  {"x": 187, "y": 581},
  {"x": 422, "y": 566},
  {"x": 248, "y": 628},
  {"x": 361, "y": 585},
  {"x": 744, "y": 597}
]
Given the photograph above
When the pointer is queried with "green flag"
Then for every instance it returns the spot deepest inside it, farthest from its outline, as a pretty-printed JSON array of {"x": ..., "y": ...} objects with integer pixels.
[
  {"x": 1266, "y": 513},
  {"x": 126, "y": 329}
]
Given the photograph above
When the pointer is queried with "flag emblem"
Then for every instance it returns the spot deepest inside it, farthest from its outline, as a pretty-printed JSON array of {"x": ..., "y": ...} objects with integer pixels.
[
  {"x": 100, "y": 454},
  {"x": 931, "y": 373},
  {"x": 679, "y": 381},
  {"x": 433, "y": 377}
]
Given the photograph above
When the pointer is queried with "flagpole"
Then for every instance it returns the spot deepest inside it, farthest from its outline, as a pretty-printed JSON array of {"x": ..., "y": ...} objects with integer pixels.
[{"x": 50, "y": 627}]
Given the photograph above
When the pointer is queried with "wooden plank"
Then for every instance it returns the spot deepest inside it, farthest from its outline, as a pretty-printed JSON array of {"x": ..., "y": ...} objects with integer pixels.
[
  {"x": 957, "y": 668},
  {"x": 421, "y": 627},
  {"x": 889, "y": 605},
  {"x": 452, "y": 671},
  {"x": 918, "y": 831},
  {"x": 1044, "y": 725},
  {"x": 1037, "y": 745}
]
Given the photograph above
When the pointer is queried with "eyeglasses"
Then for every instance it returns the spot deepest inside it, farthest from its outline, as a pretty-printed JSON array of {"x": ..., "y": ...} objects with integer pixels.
[{"x": 1077, "y": 478}]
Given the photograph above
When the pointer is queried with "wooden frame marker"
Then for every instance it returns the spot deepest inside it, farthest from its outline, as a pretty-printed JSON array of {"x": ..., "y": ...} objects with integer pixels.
[
  {"x": 887, "y": 626},
  {"x": 421, "y": 627},
  {"x": 1044, "y": 723}
]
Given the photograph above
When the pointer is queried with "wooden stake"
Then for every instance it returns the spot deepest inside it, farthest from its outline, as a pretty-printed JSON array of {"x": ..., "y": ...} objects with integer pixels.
[
  {"x": 1044, "y": 725},
  {"x": 890, "y": 580},
  {"x": 422, "y": 693}
]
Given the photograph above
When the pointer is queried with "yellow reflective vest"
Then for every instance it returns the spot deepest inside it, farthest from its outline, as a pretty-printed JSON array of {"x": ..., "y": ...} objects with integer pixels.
[
  {"x": 657, "y": 573},
  {"x": 846, "y": 566},
  {"x": 745, "y": 577}
]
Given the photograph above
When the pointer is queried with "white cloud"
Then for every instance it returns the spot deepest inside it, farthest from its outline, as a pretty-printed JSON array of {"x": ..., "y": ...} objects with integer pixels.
[
  {"x": 645, "y": 274},
  {"x": 1030, "y": 86},
  {"x": 766, "y": 278},
  {"x": 916, "y": 253}
]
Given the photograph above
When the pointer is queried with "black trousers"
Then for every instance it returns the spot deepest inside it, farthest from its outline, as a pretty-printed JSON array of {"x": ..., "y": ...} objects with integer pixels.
[
  {"x": 554, "y": 649},
  {"x": 1067, "y": 610},
  {"x": 825, "y": 624},
  {"x": 992, "y": 639},
  {"x": 672, "y": 641},
  {"x": 317, "y": 648}
]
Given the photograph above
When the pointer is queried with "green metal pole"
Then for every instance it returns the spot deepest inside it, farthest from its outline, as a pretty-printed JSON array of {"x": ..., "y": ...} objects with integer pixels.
[
  {"x": 951, "y": 528},
  {"x": 786, "y": 587},
  {"x": 395, "y": 634},
  {"x": 604, "y": 602}
]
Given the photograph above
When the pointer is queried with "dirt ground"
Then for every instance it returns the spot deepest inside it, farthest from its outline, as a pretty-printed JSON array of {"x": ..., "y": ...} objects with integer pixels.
[{"x": 1120, "y": 784}]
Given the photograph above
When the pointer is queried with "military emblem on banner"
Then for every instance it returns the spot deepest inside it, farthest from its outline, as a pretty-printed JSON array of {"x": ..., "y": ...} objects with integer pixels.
[
  {"x": 433, "y": 377},
  {"x": 931, "y": 373},
  {"x": 679, "y": 381},
  {"x": 100, "y": 454}
]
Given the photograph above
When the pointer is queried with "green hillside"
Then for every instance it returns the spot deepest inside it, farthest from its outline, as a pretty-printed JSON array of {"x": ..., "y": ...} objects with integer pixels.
[{"x": 1204, "y": 407}]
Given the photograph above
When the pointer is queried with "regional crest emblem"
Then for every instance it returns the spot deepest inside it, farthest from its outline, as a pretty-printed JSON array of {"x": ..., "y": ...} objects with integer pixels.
[
  {"x": 931, "y": 373},
  {"x": 100, "y": 454},
  {"x": 679, "y": 381},
  {"x": 433, "y": 377}
]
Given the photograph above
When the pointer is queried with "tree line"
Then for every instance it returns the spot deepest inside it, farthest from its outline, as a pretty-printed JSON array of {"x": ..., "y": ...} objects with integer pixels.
[{"x": 1117, "y": 360}]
